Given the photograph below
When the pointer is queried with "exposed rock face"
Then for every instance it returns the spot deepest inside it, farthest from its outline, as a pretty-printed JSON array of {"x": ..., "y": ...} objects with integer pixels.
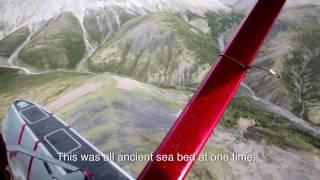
[{"x": 15, "y": 14}]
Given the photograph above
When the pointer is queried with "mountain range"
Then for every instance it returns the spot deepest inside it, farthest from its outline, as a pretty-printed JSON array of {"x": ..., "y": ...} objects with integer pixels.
[{"x": 125, "y": 54}]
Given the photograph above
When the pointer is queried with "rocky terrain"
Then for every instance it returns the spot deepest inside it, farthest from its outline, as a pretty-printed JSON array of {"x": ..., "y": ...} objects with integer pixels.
[{"x": 293, "y": 52}]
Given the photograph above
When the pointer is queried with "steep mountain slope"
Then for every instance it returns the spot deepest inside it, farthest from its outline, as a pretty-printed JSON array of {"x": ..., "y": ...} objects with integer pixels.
[
  {"x": 11, "y": 42},
  {"x": 59, "y": 45},
  {"x": 15, "y": 14},
  {"x": 154, "y": 48},
  {"x": 98, "y": 20},
  {"x": 293, "y": 51},
  {"x": 167, "y": 43},
  {"x": 101, "y": 22},
  {"x": 162, "y": 48}
]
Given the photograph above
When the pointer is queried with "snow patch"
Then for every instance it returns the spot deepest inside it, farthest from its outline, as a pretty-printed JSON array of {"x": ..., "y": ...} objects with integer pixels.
[{"x": 17, "y": 13}]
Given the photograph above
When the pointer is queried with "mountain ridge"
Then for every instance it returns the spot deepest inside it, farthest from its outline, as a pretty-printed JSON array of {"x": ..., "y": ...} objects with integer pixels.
[{"x": 24, "y": 14}]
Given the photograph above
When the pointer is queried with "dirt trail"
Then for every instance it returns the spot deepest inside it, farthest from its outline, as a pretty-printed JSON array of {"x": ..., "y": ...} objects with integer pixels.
[{"x": 74, "y": 95}]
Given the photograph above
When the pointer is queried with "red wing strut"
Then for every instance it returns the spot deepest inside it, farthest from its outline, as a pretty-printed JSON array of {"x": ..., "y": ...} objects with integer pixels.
[{"x": 191, "y": 131}]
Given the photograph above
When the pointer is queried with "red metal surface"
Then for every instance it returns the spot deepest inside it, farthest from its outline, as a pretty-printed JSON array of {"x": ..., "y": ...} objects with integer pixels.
[
  {"x": 14, "y": 154},
  {"x": 21, "y": 133},
  {"x": 35, "y": 147},
  {"x": 194, "y": 126}
]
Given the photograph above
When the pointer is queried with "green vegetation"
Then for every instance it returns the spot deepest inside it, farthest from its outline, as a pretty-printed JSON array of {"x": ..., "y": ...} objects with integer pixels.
[
  {"x": 59, "y": 45},
  {"x": 162, "y": 48},
  {"x": 6, "y": 74},
  {"x": 150, "y": 48},
  {"x": 309, "y": 37},
  {"x": 293, "y": 50},
  {"x": 270, "y": 127},
  {"x": 309, "y": 33},
  {"x": 311, "y": 93},
  {"x": 39, "y": 88},
  {"x": 301, "y": 67},
  {"x": 222, "y": 22},
  {"x": 105, "y": 119},
  {"x": 202, "y": 45},
  {"x": 168, "y": 52},
  {"x": 11, "y": 42},
  {"x": 291, "y": 77},
  {"x": 206, "y": 46}
]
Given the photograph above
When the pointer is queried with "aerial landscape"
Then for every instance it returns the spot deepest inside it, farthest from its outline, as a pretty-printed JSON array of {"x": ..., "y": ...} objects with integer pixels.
[{"x": 121, "y": 71}]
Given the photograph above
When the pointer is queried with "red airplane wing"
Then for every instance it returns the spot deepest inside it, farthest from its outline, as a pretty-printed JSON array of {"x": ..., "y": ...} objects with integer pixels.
[{"x": 191, "y": 131}]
